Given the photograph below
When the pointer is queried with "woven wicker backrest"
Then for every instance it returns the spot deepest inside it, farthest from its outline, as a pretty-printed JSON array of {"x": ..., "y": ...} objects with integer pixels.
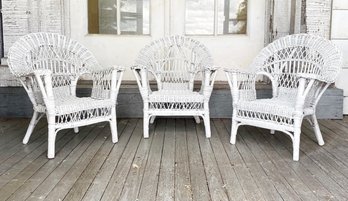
[
  {"x": 299, "y": 53},
  {"x": 50, "y": 51},
  {"x": 175, "y": 61},
  {"x": 66, "y": 58}
]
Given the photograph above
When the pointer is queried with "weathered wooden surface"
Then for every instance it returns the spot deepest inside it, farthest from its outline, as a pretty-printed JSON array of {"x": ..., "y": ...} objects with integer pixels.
[
  {"x": 177, "y": 162},
  {"x": 21, "y": 17},
  {"x": 14, "y": 102}
]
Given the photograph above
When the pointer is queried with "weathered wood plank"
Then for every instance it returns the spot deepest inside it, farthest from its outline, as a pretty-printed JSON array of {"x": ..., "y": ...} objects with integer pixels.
[
  {"x": 199, "y": 186},
  {"x": 149, "y": 184},
  {"x": 36, "y": 179},
  {"x": 167, "y": 166},
  {"x": 131, "y": 178},
  {"x": 183, "y": 190},
  {"x": 23, "y": 176},
  {"x": 80, "y": 187},
  {"x": 166, "y": 183},
  {"x": 290, "y": 176},
  {"x": 251, "y": 190},
  {"x": 127, "y": 143},
  {"x": 219, "y": 141},
  {"x": 308, "y": 178},
  {"x": 79, "y": 163},
  {"x": 35, "y": 158},
  {"x": 214, "y": 178},
  {"x": 281, "y": 140}
]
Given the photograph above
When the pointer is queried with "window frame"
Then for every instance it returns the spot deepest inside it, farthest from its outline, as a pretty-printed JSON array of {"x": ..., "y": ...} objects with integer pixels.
[
  {"x": 118, "y": 23},
  {"x": 216, "y": 22}
]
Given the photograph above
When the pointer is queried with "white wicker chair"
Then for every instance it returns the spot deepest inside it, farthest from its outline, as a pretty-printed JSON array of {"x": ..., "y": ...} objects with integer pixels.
[
  {"x": 49, "y": 66},
  {"x": 174, "y": 62},
  {"x": 300, "y": 67}
]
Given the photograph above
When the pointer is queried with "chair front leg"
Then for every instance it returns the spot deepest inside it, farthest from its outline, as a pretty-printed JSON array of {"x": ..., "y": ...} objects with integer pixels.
[
  {"x": 51, "y": 141},
  {"x": 234, "y": 127},
  {"x": 296, "y": 139},
  {"x": 146, "y": 124},
  {"x": 206, "y": 120},
  {"x": 113, "y": 125}
]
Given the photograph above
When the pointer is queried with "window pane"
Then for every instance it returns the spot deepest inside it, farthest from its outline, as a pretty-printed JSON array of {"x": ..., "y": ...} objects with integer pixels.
[
  {"x": 232, "y": 16},
  {"x": 134, "y": 16},
  {"x": 199, "y": 17}
]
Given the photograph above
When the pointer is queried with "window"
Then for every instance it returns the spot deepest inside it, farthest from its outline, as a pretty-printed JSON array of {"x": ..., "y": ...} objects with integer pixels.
[
  {"x": 215, "y": 17},
  {"x": 121, "y": 17}
]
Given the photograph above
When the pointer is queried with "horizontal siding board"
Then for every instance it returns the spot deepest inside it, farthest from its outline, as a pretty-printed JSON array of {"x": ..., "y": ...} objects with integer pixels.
[{"x": 15, "y": 103}]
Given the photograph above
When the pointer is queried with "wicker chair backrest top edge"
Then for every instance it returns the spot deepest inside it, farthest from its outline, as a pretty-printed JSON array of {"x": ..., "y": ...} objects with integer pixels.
[
  {"x": 175, "y": 54},
  {"x": 300, "y": 53},
  {"x": 50, "y": 51}
]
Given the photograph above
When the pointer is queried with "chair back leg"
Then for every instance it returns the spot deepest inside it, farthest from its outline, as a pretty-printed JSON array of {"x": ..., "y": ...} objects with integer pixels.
[
  {"x": 206, "y": 120},
  {"x": 316, "y": 129},
  {"x": 76, "y": 129},
  {"x": 34, "y": 120},
  {"x": 197, "y": 119}
]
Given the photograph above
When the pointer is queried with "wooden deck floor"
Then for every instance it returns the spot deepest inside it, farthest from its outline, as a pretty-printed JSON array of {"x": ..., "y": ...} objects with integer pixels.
[{"x": 177, "y": 162}]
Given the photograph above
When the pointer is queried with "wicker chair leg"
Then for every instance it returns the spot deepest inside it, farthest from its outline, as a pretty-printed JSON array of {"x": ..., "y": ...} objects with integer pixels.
[
  {"x": 51, "y": 141},
  {"x": 197, "y": 119},
  {"x": 234, "y": 128},
  {"x": 296, "y": 145},
  {"x": 316, "y": 129},
  {"x": 31, "y": 127},
  {"x": 113, "y": 126},
  {"x": 146, "y": 125},
  {"x": 76, "y": 129},
  {"x": 152, "y": 119},
  {"x": 206, "y": 120}
]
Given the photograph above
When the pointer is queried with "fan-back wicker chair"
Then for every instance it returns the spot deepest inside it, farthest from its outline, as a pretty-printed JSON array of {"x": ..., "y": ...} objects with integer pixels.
[
  {"x": 300, "y": 67},
  {"x": 174, "y": 62},
  {"x": 49, "y": 66}
]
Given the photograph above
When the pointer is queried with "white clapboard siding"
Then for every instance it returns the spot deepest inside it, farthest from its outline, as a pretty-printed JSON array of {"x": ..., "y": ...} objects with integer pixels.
[
  {"x": 24, "y": 16},
  {"x": 21, "y": 17}
]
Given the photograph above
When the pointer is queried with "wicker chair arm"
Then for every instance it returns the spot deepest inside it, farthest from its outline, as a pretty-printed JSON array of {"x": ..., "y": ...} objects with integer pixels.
[
  {"x": 106, "y": 83},
  {"x": 242, "y": 84},
  {"x": 141, "y": 75},
  {"x": 44, "y": 82},
  {"x": 209, "y": 74}
]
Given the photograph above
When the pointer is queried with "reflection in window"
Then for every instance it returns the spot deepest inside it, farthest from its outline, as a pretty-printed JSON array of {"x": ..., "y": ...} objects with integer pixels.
[
  {"x": 216, "y": 17},
  {"x": 121, "y": 17}
]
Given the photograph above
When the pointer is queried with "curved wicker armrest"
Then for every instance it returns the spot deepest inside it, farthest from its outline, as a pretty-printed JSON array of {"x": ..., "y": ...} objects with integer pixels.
[
  {"x": 209, "y": 74},
  {"x": 106, "y": 82},
  {"x": 141, "y": 75},
  {"x": 242, "y": 84},
  {"x": 44, "y": 82}
]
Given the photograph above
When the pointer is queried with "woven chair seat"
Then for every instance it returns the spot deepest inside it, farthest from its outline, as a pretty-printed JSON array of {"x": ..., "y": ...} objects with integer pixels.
[
  {"x": 274, "y": 106},
  {"x": 75, "y": 104}
]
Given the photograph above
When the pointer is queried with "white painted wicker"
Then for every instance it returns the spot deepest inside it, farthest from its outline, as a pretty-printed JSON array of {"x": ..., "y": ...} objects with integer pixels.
[
  {"x": 300, "y": 67},
  {"x": 49, "y": 66},
  {"x": 175, "y": 62}
]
